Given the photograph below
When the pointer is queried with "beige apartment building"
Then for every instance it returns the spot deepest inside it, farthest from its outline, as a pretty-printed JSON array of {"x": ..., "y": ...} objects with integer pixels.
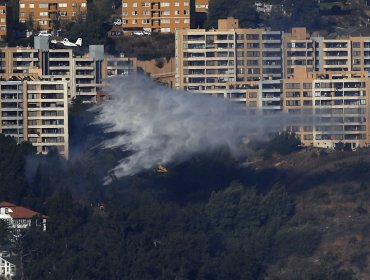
[
  {"x": 3, "y": 23},
  {"x": 46, "y": 14},
  {"x": 156, "y": 16},
  {"x": 334, "y": 107},
  {"x": 36, "y": 110},
  {"x": 208, "y": 60}
]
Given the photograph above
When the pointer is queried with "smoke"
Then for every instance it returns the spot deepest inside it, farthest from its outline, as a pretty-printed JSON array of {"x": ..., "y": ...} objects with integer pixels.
[{"x": 160, "y": 125}]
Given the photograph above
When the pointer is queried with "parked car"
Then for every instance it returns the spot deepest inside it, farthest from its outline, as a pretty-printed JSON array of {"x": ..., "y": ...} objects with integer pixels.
[
  {"x": 116, "y": 33},
  {"x": 43, "y": 33},
  {"x": 141, "y": 33},
  {"x": 117, "y": 22}
]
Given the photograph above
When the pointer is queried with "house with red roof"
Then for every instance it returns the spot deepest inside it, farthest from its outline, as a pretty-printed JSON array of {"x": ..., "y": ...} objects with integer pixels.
[{"x": 19, "y": 217}]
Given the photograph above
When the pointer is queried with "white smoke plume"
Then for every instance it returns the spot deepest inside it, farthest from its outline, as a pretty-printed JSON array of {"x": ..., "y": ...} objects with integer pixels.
[{"x": 160, "y": 125}]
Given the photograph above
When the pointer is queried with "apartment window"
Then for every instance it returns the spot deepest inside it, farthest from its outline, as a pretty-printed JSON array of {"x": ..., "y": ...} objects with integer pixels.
[
  {"x": 84, "y": 5},
  {"x": 307, "y": 85},
  {"x": 293, "y": 103},
  {"x": 253, "y": 54},
  {"x": 186, "y": 12},
  {"x": 145, "y": 21},
  {"x": 32, "y": 6},
  {"x": 165, "y": 13},
  {"x": 134, "y": 13},
  {"x": 186, "y": 20},
  {"x": 134, "y": 4},
  {"x": 253, "y": 95},
  {"x": 62, "y": 5},
  {"x": 177, "y": 12},
  {"x": 21, "y": 6},
  {"x": 22, "y": 15},
  {"x": 356, "y": 53},
  {"x": 125, "y": 13},
  {"x": 74, "y": 4},
  {"x": 292, "y": 85},
  {"x": 124, "y": 4},
  {"x": 253, "y": 45},
  {"x": 74, "y": 14},
  {"x": 165, "y": 21},
  {"x": 124, "y": 21},
  {"x": 43, "y": 22},
  {"x": 253, "y": 104},
  {"x": 177, "y": 4},
  {"x": 240, "y": 36},
  {"x": 146, "y": 13},
  {"x": 356, "y": 45},
  {"x": 165, "y": 4},
  {"x": 165, "y": 30},
  {"x": 63, "y": 14},
  {"x": 186, "y": 3},
  {"x": 43, "y": 14},
  {"x": 252, "y": 36},
  {"x": 145, "y": 4},
  {"x": 2, "y": 20},
  {"x": 134, "y": 21}
]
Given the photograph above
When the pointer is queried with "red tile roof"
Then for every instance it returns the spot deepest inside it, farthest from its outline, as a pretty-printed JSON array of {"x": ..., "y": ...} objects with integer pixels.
[
  {"x": 20, "y": 212},
  {"x": 7, "y": 204}
]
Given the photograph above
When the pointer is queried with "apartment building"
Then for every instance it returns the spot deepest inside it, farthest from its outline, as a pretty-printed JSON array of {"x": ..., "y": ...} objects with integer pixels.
[
  {"x": 299, "y": 50},
  {"x": 157, "y": 16},
  {"x": 85, "y": 73},
  {"x": 206, "y": 60},
  {"x": 3, "y": 23},
  {"x": 119, "y": 66},
  {"x": 334, "y": 106},
  {"x": 36, "y": 110},
  {"x": 45, "y": 14}
]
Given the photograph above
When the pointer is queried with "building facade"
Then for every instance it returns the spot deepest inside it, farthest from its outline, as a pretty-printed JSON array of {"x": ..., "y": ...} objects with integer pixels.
[
  {"x": 3, "y": 23},
  {"x": 334, "y": 107},
  {"x": 85, "y": 73},
  {"x": 48, "y": 14},
  {"x": 36, "y": 110},
  {"x": 206, "y": 60},
  {"x": 323, "y": 81},
  {"x": 7, "y": 267},
  {"x": 156, "y": 16},
  {"x": 20, "y": 218}
]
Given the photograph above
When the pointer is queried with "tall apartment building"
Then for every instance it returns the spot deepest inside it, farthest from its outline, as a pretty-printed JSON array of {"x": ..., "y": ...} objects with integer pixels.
[
  {"x": 206, "y": 60},
  {"x": 334, "y": 105},
  {"x": 3, "y": 23},
  {"x": 156, "y": 16},
  {"x": 45, "y": 13},
  {"x": 36, "y": 110}
]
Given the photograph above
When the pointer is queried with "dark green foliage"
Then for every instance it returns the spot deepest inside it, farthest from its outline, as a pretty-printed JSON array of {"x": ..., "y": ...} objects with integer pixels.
[
  {"x": 4, "y": 233},
  {"x": 297, "y": 241},
  {"x": 284, "y": 15},
  {"x": 282, "y": 143},
  {"x": 13, "y": 185},
  {"x": 243, "y": 10},
  {"x": 156, "y": 46},
  {"x": 92, "y": 29}
]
